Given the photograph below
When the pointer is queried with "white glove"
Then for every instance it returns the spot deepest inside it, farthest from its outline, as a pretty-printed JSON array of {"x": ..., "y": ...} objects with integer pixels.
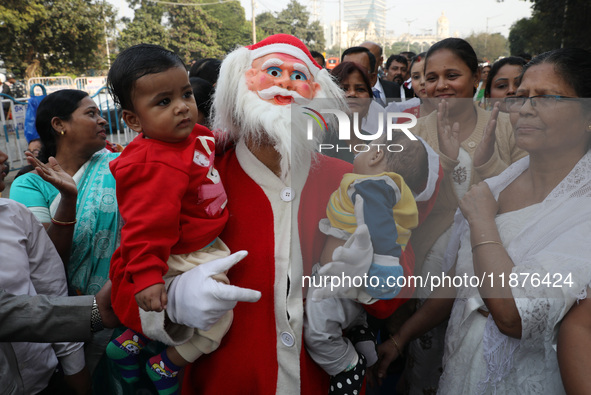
[
  {"x": 351, "y": 262},
  {"x": 198, "y": 301}
]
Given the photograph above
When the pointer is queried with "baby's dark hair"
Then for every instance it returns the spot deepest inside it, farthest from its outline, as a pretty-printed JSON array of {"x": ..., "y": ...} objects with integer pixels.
[
  {"x": 411, "y": 163},
  {"x": 135, "y": 62}
]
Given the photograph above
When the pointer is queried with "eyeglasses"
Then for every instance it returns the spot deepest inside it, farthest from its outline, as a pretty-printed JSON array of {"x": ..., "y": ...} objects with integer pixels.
[{"x": 541, "y": 102}]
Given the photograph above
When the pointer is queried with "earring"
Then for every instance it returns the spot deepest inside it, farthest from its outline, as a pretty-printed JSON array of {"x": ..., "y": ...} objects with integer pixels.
[{"x": 62, "y": 132}]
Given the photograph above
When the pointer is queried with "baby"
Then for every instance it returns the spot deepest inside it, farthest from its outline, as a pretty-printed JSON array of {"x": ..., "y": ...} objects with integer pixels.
[
  {"x": 386, "y": 182},
  {"x": 172, "y": 203}
]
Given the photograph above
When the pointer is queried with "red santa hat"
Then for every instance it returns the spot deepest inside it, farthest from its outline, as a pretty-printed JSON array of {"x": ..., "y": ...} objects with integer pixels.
[{"x": 286, "y": 44}]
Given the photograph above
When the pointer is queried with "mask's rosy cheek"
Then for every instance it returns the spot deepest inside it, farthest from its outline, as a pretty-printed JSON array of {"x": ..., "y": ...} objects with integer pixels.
[
  {"x": 259, "y": 82},
  {"x": 305, "y": 90}
]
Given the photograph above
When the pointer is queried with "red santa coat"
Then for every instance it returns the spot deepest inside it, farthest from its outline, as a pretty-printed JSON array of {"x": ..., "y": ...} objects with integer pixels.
[{"x": 263, "y": 351}]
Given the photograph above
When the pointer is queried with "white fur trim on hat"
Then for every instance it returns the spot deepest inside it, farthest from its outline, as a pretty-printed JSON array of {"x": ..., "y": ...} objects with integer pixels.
[{"x": 285, "y": 44}]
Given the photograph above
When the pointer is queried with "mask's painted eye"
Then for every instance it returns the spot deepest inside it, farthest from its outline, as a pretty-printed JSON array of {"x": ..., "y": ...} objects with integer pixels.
[
  {"x": 298, "y": 76},
  {"x": 274, "y": 71}
]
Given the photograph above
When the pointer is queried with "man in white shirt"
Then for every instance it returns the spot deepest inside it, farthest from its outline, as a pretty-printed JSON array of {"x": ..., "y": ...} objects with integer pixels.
[{"x": 31, "y": 266}]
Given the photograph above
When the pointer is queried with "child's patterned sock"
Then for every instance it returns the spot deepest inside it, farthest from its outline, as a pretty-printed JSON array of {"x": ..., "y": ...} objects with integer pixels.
[
  {"x": 124, "y": 351},
  {"x": 350, "y": 380},
  {"x": 163, "y": 373}
]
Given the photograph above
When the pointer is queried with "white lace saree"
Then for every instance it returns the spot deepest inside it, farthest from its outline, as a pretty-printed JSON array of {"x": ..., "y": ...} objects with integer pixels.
[{"x": 549, "y": 242}]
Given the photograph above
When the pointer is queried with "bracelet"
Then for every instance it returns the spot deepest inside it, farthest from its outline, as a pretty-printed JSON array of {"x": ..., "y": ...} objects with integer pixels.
[
  {"x": 96, "y": 323},
  {"x": 396, "y": 345},
  {"x": 486, "y": 242},
  {"x": 60, "y": 223}
]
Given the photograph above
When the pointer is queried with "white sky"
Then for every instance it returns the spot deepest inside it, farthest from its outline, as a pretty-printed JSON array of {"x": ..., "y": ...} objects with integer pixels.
[{"x": 465, "y": 16}]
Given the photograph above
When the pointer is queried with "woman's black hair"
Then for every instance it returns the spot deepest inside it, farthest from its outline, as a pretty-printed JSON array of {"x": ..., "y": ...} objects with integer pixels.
[
  {"x": 134, "y": 63},
  {"x": 203, "y": 92},
  {"x": 416, "y": 59},
  {"x": 207, "y": 69},
  {"x": 511, "y": 60},
  {"x": 344, "y": 69},
  {"x": 461, "y": 48},
  {"x": 572, "y": 64},
  {"x": 59, "y": 104}
]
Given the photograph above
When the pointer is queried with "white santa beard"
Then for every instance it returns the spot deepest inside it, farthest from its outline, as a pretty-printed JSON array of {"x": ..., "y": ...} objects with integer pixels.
[{"x": 264, "y": 123}]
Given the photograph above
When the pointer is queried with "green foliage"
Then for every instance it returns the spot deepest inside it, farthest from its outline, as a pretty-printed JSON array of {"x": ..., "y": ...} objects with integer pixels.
[
  {"x": 192, "y": 33},
  {"x": 488, "y": 46},
  {"x": 293, "y": 20},
  {"x": 397, "y": 47},
  {"x": 146, "y": 27},
  {"x": 268, "y": 24},
  {"x": 234, "y": 30},
  {"x": 44, "y": 37},
  {"x": 554, "y": 24},
  {"x": 527, "y": 36}
]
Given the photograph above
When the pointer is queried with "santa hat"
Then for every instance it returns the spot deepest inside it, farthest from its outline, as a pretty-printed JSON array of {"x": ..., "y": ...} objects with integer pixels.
[{"x": 286, "y": 44}]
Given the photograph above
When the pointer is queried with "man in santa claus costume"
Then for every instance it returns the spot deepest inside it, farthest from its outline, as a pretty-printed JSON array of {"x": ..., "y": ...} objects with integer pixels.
[{"x": 278, "y": 188}]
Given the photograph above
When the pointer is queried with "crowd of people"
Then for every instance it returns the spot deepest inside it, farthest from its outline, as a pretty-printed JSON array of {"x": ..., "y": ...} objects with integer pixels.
[{"x": 212, "y": 254}]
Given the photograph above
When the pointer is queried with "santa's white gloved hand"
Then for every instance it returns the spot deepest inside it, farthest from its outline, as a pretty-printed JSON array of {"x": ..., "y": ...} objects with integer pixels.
[
  {"x": 198, "y": 301},
  {"x": 349, "y": 261}
]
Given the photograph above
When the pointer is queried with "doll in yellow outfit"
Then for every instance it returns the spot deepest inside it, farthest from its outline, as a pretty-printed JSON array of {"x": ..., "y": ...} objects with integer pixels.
[{"x": 385, "y": 181}]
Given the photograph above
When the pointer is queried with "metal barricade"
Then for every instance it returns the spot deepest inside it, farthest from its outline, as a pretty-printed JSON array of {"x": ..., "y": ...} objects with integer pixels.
[
  {"x": 118, "y": 131},
  {"x": 12, "y": 130},
  {"x": 51, "y": 84},
  {"x": 91, "y": 85},
  {"x": 12, "y": 124}
]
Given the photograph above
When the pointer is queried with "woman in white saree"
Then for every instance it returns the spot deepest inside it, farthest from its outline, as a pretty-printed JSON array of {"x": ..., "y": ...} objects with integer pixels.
[{"x": 525, "y": 235}]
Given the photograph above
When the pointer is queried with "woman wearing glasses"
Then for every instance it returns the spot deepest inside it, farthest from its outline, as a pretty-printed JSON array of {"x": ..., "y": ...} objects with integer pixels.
[
  {"x": 525, "y": 235},
  {"x": 473, "y": 144}
]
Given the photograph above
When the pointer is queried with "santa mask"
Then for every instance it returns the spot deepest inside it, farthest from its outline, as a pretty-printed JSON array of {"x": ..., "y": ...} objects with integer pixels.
[{"x": 281, "y": 79}]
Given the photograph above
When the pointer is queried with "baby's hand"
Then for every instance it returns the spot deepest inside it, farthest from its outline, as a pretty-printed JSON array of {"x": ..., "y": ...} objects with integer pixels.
[{"x": 153, "y": 298}]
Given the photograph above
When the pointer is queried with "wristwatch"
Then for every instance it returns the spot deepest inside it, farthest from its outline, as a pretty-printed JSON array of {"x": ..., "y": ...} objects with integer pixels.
[{"x": 96, "y": 323}]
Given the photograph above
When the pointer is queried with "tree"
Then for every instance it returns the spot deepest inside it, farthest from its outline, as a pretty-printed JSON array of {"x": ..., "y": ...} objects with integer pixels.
[
  {"x": 234, "y": 29},
  {"x": 553, "y": 24},
  {"x": 401, "y": 46},
  {"x": 44, "y": 37},
  {"x": 268, "y": 24},
  {"x": 293, "y": 20},
  {"x": 193, "y": 33},
  {"x": 527, "y": 36},
  {"x": 489, "y": 47},
  {"x": 187, "y": 30},
  {"x": 146, "y": 27}
]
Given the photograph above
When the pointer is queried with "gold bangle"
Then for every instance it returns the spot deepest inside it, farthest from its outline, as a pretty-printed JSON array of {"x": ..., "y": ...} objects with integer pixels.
[
  {"x": 396, "y": 345},
  {"x": 60, "y": 223},
  {"x": 486, "y": 242}
]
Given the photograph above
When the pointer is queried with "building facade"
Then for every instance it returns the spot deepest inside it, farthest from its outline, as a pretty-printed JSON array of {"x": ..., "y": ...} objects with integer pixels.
[{"x": 358, "y": 14}]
